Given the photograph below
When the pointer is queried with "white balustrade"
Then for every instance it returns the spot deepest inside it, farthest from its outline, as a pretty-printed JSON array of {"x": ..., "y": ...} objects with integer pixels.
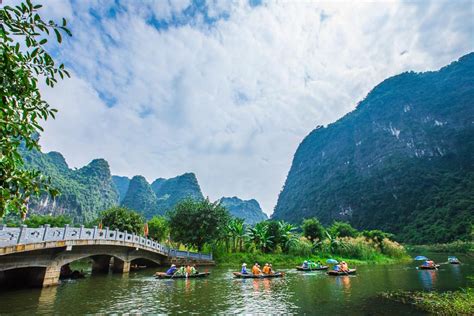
[{"x": 11, "y": 236}]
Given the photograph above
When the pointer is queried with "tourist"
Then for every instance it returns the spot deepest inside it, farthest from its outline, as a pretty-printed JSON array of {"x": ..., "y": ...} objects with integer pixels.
[
  {"x": 244, "y": 268},
  {"x": 194, "y": 270},
  {"x": 305, "y": 264},
  {"x": 270, "y": 269},
  {"x": 171, "y": 270},
  {"x": 344, "y": 267},
  {"x": 256, "y": 269},
  {"x": 337, "y": 267},
  {"x": 266, "y": 269}
]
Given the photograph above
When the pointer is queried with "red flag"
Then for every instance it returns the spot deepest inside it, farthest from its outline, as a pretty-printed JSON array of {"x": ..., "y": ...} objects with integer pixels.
[{"x": 145, "y": 230}]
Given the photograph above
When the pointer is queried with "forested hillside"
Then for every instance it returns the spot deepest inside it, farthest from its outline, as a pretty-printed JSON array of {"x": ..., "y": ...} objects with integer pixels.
[
  {"x": 248, "y": 210},
  {"x": 403, "y": 161},
  {"x": 84, "y": 192}
]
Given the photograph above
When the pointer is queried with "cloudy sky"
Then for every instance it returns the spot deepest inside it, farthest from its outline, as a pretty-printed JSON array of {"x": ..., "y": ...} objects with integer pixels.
[{"x": 228, "y": 89}]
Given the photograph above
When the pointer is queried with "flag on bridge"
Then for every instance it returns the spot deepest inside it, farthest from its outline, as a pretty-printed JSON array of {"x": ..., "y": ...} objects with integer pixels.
[{"x": 145, "y": 230}]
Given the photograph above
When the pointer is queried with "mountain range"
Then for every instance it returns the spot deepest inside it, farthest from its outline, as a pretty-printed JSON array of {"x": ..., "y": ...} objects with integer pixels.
[
  {"x": 91, "y": 189},
  {"x": 402, "y": 161}
]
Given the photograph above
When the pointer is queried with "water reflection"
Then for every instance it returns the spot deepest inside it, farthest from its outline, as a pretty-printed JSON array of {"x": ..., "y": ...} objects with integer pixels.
[
  {"x": 46, "y": 300},
  {"x": 296, "y": 293},
  {"x": 428, "y": 279}
]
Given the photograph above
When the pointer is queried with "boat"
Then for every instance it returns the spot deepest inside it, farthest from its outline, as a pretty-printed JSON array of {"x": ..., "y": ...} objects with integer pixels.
[
  {"x": 163, "y": 275},
  {"x": 259, "y": 276},
  {"x": 299, "y": 268},
  {"x": 453, "y": 260},
  {"x": 436, "y": 266},
  {"x": 332, "y": 272}
]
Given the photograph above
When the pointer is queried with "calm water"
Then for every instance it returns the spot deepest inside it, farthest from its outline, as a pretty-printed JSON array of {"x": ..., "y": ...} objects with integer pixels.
[{"x": 296, "y": 293}]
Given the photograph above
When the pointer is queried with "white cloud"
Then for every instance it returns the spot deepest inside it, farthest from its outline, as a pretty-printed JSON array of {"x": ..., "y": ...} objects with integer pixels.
[{"x": 232, "y": 100}]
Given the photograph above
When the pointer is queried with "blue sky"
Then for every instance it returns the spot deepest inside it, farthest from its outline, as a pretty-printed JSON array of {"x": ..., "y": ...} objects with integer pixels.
[{"x": 228, "y": 89}]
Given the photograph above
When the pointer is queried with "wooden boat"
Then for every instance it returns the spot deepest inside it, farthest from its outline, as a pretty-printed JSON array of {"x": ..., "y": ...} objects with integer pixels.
[
  {"x": 163, "y": 275},
  {"x": 260, "y": 276},
  {"x": 299, "y": 268},
  {"x": 332, "y": 272},
  {"x": 436, "y": 266}
]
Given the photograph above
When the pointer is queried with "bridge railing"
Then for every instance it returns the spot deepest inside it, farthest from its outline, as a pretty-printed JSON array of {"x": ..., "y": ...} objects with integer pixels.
[{"x": 11, "y": 236}]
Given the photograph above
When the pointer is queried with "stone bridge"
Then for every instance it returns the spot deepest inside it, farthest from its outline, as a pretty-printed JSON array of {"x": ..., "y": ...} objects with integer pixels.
[{"x": 35, "y": 256}]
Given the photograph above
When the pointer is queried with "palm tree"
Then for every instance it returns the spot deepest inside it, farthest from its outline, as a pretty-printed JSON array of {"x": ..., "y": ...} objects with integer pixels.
[
  {"x": 260, "y": 237},
  {"x": 287, "y": 235},
  {"x": 236, "y": 233}
]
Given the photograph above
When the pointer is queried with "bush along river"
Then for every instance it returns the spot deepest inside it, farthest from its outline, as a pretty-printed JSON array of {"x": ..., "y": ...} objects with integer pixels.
[{"x": 296, "y": 293}]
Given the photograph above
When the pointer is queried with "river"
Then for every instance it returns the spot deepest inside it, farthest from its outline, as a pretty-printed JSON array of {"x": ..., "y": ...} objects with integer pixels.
[{"x": 296, "y": 293}]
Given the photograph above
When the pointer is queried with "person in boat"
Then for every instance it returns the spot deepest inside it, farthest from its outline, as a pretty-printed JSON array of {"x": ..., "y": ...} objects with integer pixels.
[
  {"x": 181, "y": 271},
  {"x": 244, "y": 268},
  {"x": 194, "y": 270},
  {"x": 270, "y": 269},
  {"x": 319, "y": 264},
  {"x": 305, "y": 265},
  {"x": 344, "y": 267},
  {"x": 266, "y": 269},
  {"x": 171, "y": 270},
  {"x": 256, "y": 269},
  {"x": 337, "y": 267}
]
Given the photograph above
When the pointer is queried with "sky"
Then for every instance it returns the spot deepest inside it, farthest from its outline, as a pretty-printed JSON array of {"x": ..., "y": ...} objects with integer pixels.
[{"x": 228, "y": 89}]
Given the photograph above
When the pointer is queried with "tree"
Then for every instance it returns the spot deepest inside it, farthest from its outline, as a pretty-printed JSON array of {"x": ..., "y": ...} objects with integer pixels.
[
  {"x": 313, "y": 229},
  {"x": 122, "y": 219},
  {"x": 260, "y": 236},
  {"x": 35, "y": 221},
  {"x": 236, "y": 233},
  {"x": 342, "y": 229},
  {"x": 158, "y": 228},
  {"x": 21, "y": 105},
  {"x": 195, "y": 223}
]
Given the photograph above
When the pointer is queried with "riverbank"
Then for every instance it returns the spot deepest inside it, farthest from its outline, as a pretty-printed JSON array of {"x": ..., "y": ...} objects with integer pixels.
[
  {"x": 449, "y": 303},
  {"x": 286, "y": 260},
  {"x": 453, "y": 247}
]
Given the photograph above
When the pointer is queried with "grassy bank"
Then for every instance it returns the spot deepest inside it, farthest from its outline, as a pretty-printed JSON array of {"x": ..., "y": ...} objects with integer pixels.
[
  {"x": 287, "y": 260},
  {"x": 454, "y": 247},
  {"x": 450, "y": 303}
]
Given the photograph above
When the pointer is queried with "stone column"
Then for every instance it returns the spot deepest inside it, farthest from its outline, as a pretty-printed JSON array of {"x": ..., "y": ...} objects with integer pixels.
[
  {"x": 51, "y": 275},
  {"x": 121, "y": 266},
  {"x": 100, "y": 264}
]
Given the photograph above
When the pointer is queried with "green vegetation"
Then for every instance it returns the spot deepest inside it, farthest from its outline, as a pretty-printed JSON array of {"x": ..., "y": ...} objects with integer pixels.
[
  {"x": 277, "y": 240},
  {"x": 140, "y": 197},
  {"x": 84, "y": 192},
  {"x": 23, "y": 62},
  {"x": 170, "y": 192},
  {"x": 195, "y": 223},
  {"x": 122, "y": 219},
  {"x": 460, "y": 302},
  {"x": 54, "y": 221},
  {"x": 158, "y": 228},
  {"x": 401, "y": 162},
  {"x": 454, "y": 247},
  {"x": 313, "y": 230}
]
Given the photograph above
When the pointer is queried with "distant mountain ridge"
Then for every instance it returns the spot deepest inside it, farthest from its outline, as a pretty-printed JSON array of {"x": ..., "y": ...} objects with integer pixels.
[
  {"x": 248, "y": 210},
  {"x": 84, "y": 192},
  {"x": 402, "y": 161}
]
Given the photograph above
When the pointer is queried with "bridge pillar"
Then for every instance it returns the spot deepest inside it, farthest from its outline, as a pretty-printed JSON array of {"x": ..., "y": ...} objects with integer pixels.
[
  {"x": 51, "y": 275},
  {"x": 121, "y": 266},
  {"x": 100, "y": 263}
]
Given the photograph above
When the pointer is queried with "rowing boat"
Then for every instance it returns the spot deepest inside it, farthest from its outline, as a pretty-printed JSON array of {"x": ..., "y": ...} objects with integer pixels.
[
  {"x": 163, "y": 275},
  {"x": 312, "y": 269},
  {"x": 436, "y": 266},
  {"x": 332, "y": 272},
  {"x": 259, "y": 276}
]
